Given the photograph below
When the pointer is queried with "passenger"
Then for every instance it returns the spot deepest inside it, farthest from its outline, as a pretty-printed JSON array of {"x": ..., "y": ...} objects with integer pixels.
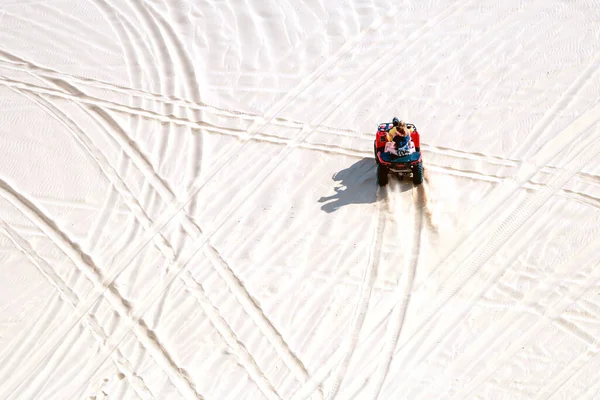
[{"x": 403, "y": 142}]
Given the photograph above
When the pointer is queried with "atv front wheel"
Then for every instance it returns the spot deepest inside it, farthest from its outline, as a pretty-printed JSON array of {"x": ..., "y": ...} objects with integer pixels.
[
  {"x": 375, "y": 151},
  {"x": 382, "y": 175},
  {"x": 418, "y": 173}
]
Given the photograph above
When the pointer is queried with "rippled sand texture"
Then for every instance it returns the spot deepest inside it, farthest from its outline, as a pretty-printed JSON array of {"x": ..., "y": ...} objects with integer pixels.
[{"x": 188, "y": 203}]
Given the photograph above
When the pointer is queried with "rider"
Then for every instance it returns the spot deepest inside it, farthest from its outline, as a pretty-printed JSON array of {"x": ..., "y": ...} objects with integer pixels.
[{"x": 397, "y": 126}]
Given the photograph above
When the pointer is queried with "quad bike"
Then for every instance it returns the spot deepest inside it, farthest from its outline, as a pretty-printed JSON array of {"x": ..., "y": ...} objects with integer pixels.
[{"x": 403, "y": 164}]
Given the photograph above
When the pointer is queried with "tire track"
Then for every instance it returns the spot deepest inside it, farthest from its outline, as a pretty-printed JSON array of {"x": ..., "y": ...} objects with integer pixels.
[
  {"x": 547, "y": 317},
  {"x": 321, "y": 297},
  {"x": 327, "y": 148},
  {"x": 244, "y": 357},
  {"x": 25, "y": 66},
  {"x": 234, "y": 343},
  {"x": 160, "y": 242},
  {"x": 281, "y": 243},
  {"x": 402, "y": 293},
  {"x": 165, "y": 85},
  {"x": 79, "y": 97},
  {"x": 514, "y": 321},
  {"x": 592, "y": 391},
  {"x": 109, "y": 172},
  {"x": 287, "y": 142},
  {"x": 341, "y": 358},
  {"x": 544, "y": 126},
  {"x": 498, "y": 235},
  {"x": 35, "y": 331},
  {"x": 365, "y": 289},
  {"x": 500, "y": 195},
  {"x": 190, "y": 86},
  {"x": 579, "y": 197},
  {"x": 567, "y": 374},
  {"x": 220, "y": 265},
  {"x": 323, "y": 293},
  {"x": 85, "y": 264},
  {"x": 527, "y": 170},
  {"x": 90, "y": 322},
  {"x": 257, "y": 315},
  {"x": 273, "y": 335},
  {"x": 194, "y": 231},
  {"x": 20, "y": 64},
  {"x": 306, "y": 131},
  {"x": 171, "y": 119},
  {"x": 154, "y": 292},
  {"x": 308, "y": 81},
  {"x": 121, "y": 26}
]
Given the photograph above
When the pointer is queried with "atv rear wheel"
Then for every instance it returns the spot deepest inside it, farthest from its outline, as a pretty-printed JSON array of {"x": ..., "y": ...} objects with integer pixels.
[
  {"x": 418, "y": 173},
  {"x": 382, "y": 175}
]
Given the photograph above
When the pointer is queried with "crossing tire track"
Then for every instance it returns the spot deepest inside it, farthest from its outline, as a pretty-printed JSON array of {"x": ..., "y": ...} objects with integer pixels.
[
  {"x": 161, "y": 243},
  {"x": 121, "y": 26},
  {"x": 85, "y": 265},
  {"x": 571, "y": 134},
  {"x": 190, "y": 86},
  {"x": 20, "y": 65},
  {"x": 194, "y": 231},
  {"x": 306, "y": 131},
  {"x": 90, "y": 322},
  {"x": 496, "y": 235},
  {"x": 549, "y": 316},
  {"x": 514, "y": 321}
]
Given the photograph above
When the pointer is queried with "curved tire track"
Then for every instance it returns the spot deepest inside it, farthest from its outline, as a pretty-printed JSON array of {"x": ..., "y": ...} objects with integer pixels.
[
  {"x": 122, "y": 28},
  {"x": 163, "y": 246},
  {"x": 306, "y": 131},
  {"x": 194, "y": 231},
  {"x": 121, "y": 363},
  {"x": 85, "y": 264}
]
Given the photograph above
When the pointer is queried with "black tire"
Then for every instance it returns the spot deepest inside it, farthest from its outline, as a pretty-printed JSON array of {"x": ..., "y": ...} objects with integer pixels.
[
  {"x": 418, "y": 173},
  {"x": 375, "y": 152},
  {"x": 382, "y": 175}
]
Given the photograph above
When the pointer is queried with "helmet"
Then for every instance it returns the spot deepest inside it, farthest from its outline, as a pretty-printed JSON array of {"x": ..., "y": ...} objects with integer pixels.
[{"x": 396, "y": 121}]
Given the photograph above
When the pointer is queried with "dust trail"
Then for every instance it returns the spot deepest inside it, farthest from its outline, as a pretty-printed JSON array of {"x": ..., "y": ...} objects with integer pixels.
[{"x": 423, "y": 201}]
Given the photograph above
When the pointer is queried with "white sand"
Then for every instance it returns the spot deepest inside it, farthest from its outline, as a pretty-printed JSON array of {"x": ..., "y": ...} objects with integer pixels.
[{"x": 188, "y": 203}]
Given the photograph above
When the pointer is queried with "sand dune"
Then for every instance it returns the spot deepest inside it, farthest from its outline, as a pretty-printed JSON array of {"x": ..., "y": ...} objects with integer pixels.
[{"x": 189, "y": 205}]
